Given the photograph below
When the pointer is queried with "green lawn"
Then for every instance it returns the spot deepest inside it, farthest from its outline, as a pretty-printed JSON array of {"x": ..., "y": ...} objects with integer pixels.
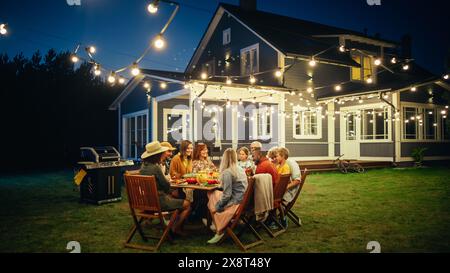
[{"x": 406, "y": 210}]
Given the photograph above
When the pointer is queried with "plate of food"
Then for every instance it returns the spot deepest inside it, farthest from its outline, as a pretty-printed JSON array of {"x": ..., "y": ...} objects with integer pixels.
[{"x": 191, "y": 180}]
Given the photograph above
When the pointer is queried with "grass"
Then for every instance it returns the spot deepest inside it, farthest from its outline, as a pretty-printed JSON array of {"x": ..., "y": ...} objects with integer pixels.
[{"x": 405, "y": 210}]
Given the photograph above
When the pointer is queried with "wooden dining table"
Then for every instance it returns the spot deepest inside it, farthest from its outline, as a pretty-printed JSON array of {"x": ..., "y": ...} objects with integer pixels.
[{"x": 194, "y": 186}]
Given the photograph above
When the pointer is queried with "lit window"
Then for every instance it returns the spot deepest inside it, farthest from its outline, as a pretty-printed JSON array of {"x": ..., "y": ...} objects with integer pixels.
[
  {"x": 307, "y": 123},
  {"x": 430, "y": 126},
  {"x": 250, "y": 60},
  {"x": 365, "y": 71},
  {"x": 374, "y": 124},
  {"x": 410, "y": 127},
  {"x": 262, "y": 123}
]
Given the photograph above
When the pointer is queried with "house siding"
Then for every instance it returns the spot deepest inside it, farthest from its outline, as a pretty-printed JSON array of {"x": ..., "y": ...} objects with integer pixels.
[
  {"x": 376, "y": 150},
  {"x": 433, "y": 148},
  {"x": 307, "y": 150}
]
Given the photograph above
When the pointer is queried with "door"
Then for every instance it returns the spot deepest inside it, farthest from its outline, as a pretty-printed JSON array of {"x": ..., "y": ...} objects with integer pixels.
[{"x": 350, "y": 135}]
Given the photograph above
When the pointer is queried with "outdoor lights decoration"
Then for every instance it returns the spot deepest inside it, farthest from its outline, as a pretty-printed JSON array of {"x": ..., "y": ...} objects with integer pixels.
[
  {"x": 252, "y": 79},
  {"x": 203, "y": 76},
  {"x": 74, "y": 58},
  {"x": 394, "y": 60},
  {"x": 240, "y": 101},
  {"x": 414, "y": 89},
  {"x": 309, "y": 89},
  {"x": 91, "y": 49},
  {"x": 360, "y": 100},
  {"x": 3, "y": 29},
  {"x": 278, "y": 73},
  {"x": 97, "y": 70},
  {"x": 369, "y": 80},
  {"x": 159, "y": 42},
  {"x": 312, "y": 62},
  {"x": 405, "y": 67},
  {"x": 386, "y": 96},
  {"x": 163, "y": 85},
  {"x": 342, "y": 48},
  {"x": 121, "y": 80},
  {"x": 443, "y": 112},
  {"x": 377, "y": 61},
  {"x": 146, "y": 85},
  {"x": 254, "y": 100},
  {"x": 446, "y": 76},
  {"x": 135, "y": 70},
  {"x": 112, "y": 78},
  {"x": 228, "y": 81},
  {"x": 153, "y": 7},
  {"x": 338, "y": 87}
]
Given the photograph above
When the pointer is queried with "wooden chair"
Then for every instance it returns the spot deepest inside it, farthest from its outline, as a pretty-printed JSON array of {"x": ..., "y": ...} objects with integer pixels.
[
  {"x": 288, "y": 207},
  {"x": 144, "y": 204},
  {"x": 278, "y": 192},
  {"x": 244, "y": 214}
]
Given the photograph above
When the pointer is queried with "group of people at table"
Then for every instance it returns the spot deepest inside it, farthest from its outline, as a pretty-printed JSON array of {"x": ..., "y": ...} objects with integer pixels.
[{"x": 158, "y": 160}]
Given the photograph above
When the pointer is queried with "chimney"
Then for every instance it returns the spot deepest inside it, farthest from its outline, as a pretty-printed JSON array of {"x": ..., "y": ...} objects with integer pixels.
[
  {"x": 406, "y": 44},
  {"x": 249, "y": 5}
]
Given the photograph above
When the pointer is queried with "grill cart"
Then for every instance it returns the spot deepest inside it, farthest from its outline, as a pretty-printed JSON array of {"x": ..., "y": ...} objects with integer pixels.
[{"x": 104, "y": 172}]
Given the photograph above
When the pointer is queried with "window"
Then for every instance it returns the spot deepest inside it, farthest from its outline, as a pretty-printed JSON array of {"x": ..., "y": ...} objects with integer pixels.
[
  {"x": 262, "y": 123},
  {"x": 226, "y": 36},
  {"x": 365, "y": 71},
  {"x": 250, "y": 60},
  {"x": 430, "y": 126},
  {"x": 445, "y": 128},
  {"x": 135, "y": 137},
  {"x": 307, "y": 123},
  {"x": 375, "y": 124},
  {"x": 410, "y": 123},
  {"x": 175, "y": 124}
]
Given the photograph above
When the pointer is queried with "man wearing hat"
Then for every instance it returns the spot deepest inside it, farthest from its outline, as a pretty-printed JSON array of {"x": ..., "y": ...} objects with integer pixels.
[{"x": 151, "y": 166}]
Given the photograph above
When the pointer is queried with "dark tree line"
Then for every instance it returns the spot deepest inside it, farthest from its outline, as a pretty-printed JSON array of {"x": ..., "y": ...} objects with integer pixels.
[{"x": 49, "y": 108}]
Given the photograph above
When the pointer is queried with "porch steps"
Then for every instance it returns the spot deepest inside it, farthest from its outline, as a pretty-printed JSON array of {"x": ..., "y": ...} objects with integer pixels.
[{"x": 328, "y": 165}]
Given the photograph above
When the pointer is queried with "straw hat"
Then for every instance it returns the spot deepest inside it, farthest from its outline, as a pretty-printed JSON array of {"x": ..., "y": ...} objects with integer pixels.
[
  {"x": 168, "y": 145},
  {"x": 153, "y": 148}
]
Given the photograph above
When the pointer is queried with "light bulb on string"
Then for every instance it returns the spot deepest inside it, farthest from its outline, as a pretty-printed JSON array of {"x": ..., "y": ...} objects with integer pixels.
[
  {"x": 252, "y": 79},
  {"x": 74, "y": 58},
  {"x": 309, "y": 89},
  {"x": 159, "y": 42},
  {"x": 377, "y": 61},
  {"x": 135, "y": 70},
  {"x": 121, "y": 80},
  {"x": 446, "y": 76},
  {"x": 228, "y": 81},
  {"x": 394, "y": 60},
  {"x": 369, "y": 80},
  {"x": 91, "y": 49},
  {"x": 112, "y": 78},
  {"x": 414, "y": 89},
  {"x": 278, "y": 73},
  {"x": 405, "y": 67},
  {"x": 342, "y": 48},
  {"x": 97, "y": 70},
  {"x": 146, "y": 85},
  {"x": 312, "y": 62},
  {"x": 153, "y": 7},
  {"x": 338, "y": 87},
  {"x": 3, "y": 29},
  {"x": 163, "y": 85}
]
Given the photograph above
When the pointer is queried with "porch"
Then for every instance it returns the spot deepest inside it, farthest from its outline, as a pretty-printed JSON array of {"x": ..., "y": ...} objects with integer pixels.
[{"x": 330, "y": 165}]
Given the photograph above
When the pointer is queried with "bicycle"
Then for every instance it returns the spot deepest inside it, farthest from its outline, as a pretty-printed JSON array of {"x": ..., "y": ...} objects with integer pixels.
[{"x": 345, "y": 165}]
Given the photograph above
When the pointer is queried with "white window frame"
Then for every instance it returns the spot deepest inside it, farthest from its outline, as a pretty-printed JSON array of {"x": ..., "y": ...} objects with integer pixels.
[
  {"x": 300, "y": 111},
  {"x": 184, "y": 116},
  {"x": 125, "y": 133},
  {"x": 245, "y": 50},
  {"x": 387, "y": 127},
  {"x": 373, "y": 68},
  {"x": 264, "y": 118},
  {"x": 420, "y": 108},
  {"x": 226, "y": 36}
]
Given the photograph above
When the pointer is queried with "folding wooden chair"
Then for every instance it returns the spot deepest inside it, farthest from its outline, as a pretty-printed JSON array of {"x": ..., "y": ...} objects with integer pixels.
[
  {"x": 245, "y": 214},
  {"x": 288, "y": 206},
  {"x": 144, "y": 204},
  {"x": 278, "y": 191}
]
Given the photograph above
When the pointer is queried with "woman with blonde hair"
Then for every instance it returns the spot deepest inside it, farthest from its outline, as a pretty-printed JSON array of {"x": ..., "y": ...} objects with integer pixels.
[{"x": 223, "y": 204}]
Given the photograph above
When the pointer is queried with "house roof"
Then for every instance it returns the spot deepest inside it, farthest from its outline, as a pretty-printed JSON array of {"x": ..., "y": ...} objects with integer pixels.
[
  {"x": 293, "y": 37},
  {"x": 386, "y": 80}
]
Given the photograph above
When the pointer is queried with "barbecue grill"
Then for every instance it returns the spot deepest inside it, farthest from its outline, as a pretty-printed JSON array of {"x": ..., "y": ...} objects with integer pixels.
[{"x": 104, "y": 168}]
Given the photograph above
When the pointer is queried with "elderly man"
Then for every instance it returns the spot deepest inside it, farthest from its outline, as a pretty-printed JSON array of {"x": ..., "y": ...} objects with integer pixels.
[{"x": 263, "y": 165}]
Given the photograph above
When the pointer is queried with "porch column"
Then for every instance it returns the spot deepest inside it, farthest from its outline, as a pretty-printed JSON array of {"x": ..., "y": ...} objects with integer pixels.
[
  {"x": 281, "y": 121},
  {"x": 234, "y": 126},
  {"x": 331, "y": 131},
  {"x": 192, "y": 117},
  {"x": 396, "y": 127},
  {"x": 154, "y": 119}
]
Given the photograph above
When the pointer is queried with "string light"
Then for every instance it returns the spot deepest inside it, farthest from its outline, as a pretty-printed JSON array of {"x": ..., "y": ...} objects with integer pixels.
[
  {"x": 405, "y": 67},
  {"x": 278, "y": 73},
  {"x": 3, "y": 29},
  {"x": 309, "y": 89},
  {"x": 252, "y": 79},
  {"x": 146, "y": 85},
  {"x": 337, "y": 87},
  {"x": 414, "y": 89},
  {"x": 393, "y": 60},
  {"x": 240, "y": 101},
  {"x": 153, "y": 7},
  {"x": 91, "y": 49},
  {"x": 228, "y": 81},
  {"x": 369, "y": 80},
  {"x": 377, "y": 62},
  {"x": 112, "y": 77},
  {"x": 121, "y": 80},
  {"x": 163, "y": 85},
  {"x": 342, "y": 48},
  {"x": 446, "y": 76},
  {"x": 204, "y": 76},
  {"x": 135, "y": 70},
  {"x": 97, "y": 70},
  {"x": 360, "y": 100},
  {"x": 312, "y": 62},
  {"x": 159, "y": 42},
  {"x": 74, "y": 59}
]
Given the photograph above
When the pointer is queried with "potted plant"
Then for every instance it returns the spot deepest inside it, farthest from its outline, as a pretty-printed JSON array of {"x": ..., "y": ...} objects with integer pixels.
[{"x": 417, "y": 154}]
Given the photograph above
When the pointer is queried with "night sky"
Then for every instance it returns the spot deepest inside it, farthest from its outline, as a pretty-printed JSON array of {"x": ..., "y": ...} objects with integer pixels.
[{"x": 121, "y": 30}]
